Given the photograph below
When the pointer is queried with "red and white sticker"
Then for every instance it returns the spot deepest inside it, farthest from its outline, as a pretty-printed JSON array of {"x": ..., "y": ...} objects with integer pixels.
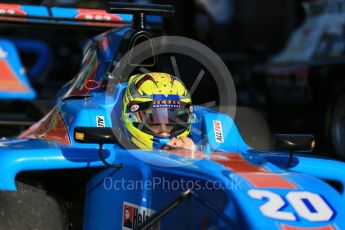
[
  {"x": 98, "y": 15},
  {"x": 134, "y": 215},
  {"x": 218, "y": 131},
  {"x": 11, "y": 9}
]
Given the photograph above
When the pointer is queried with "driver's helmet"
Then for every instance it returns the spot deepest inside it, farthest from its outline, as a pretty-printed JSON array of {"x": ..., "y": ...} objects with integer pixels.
[{"x": 155, "y": 99}]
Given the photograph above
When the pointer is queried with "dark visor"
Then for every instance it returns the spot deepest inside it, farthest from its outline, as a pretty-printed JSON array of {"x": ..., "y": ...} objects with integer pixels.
[{"x": 163, "y": 116}]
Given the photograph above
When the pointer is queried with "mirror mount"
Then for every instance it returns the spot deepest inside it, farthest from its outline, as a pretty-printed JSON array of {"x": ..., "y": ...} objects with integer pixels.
[
  {"x": 101, "y": 156},
  {"x": 289, "y": 163},
  {"x": 97, "y": 135},
  {"x": 294, "y": 142},
  {"x": 139, "y": 11}
]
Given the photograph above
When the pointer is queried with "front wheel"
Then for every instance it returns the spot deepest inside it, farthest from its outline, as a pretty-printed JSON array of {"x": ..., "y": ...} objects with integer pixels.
[{"x": 27, "y": 210}]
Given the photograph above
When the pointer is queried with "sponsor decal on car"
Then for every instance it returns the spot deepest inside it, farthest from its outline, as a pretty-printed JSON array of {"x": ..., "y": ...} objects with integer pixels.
[
  {"x": 100, "y": 121},
  {"x": 79, "y": 136},
  {"x": 11, "y": 9},
  {"x": 97, "y": 15},
  {"x": 218, "y": 131},
  {"x": 134, "y": 215},
  {"x": 305, "y": 205}
]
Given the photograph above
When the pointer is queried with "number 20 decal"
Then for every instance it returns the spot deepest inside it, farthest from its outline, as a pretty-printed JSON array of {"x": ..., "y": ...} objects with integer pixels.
[{"x": 307, "y": 205}]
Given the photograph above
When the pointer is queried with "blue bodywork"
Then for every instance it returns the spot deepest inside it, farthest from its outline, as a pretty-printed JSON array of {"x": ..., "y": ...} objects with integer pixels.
[{"x": 234, "y": 186}]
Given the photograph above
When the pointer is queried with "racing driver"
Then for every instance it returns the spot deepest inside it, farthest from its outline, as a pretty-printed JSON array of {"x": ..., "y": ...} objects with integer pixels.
[{"x": 157, "y": 111}]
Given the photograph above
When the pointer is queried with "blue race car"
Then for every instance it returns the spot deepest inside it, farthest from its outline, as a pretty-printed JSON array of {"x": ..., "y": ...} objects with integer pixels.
[{"x": 74, "y": 170}]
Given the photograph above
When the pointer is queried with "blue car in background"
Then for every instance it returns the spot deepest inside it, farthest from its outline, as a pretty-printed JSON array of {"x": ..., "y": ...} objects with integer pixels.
[
  {"x": 34, "y": 60},
  {"x": 15, "y": 83}
]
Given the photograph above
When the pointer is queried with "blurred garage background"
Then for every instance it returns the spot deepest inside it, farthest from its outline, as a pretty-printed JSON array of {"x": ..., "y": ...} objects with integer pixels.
[{"x": 287, "y": 58}]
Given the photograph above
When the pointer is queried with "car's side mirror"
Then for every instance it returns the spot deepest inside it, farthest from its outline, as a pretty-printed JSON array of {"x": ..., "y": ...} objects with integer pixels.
[
  {"x": 94, "y": 135},
  {"x": 295, "y": 142},
  {"x": 97, "y": 135}
]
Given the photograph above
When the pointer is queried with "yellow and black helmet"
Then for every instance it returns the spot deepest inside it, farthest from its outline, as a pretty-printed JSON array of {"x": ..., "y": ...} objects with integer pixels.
[{"x": 156, "y": 99}]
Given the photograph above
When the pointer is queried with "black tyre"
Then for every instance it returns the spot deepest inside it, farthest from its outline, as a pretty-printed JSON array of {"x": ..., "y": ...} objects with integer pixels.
[
  {"x": 338, "y": 127},
  {"x": 27, "y": 210}
]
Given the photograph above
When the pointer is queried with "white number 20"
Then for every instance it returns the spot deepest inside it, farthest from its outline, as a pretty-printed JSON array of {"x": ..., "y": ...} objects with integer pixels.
[{"x": 307, "y": 205}]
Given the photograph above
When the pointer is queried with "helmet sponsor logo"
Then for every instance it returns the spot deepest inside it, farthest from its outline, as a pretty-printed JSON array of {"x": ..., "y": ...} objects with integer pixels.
[
  {"x": 161, "y": 97},
  {"x": 100, "y": 121},
  {"x": 134, "y": 215},
  {"x": 134, "y": 108},
  {"x": 167, "y": 104},
  {"x": 218, "y": 131}
]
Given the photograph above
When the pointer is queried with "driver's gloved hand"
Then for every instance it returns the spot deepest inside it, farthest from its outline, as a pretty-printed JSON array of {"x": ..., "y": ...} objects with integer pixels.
[{"x": 181, "y": 143}]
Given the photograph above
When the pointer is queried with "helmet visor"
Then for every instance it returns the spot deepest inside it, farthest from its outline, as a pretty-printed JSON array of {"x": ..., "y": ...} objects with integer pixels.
[
  {"x": 174, "y": 121},
  {"x": 164, "y": 116}
]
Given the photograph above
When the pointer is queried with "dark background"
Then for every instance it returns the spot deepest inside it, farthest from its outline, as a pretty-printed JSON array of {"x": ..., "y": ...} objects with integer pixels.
[{"x": 254, "y": 32}]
